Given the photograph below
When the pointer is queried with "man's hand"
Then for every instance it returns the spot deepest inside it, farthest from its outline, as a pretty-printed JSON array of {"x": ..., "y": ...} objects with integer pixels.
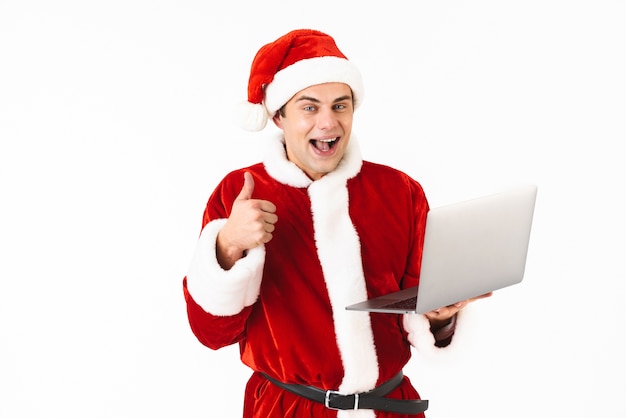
[
  {"x": 441, "y": 317},
  {"x": 250, "y": 224}
]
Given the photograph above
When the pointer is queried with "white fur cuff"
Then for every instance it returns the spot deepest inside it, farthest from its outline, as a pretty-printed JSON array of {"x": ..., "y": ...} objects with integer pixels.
[
  {"x": 218, "y": 291},
  {"x": 420, "y": 336}
]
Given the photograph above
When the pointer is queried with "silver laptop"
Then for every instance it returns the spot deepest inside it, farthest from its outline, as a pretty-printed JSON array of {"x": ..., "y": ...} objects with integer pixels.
[{"x": 470, "y": 248}]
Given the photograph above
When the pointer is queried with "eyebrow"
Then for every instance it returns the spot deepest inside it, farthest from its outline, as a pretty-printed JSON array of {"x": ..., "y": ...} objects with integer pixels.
[{"x": 314, "y": 100}]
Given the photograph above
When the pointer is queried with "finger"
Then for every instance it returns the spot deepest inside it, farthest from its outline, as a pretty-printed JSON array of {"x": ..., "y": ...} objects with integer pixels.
[
  {"x": 486, "y": 295},
  {"x": 248, "y": 187},
  {"x": 269, "y": 227},
  {"x": 459, "y": 305},
  {"x": 269, "y": 217}
]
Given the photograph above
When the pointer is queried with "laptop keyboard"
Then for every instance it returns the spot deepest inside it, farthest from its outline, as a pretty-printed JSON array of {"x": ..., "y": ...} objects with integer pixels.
[{"x": 403, "y": 304}]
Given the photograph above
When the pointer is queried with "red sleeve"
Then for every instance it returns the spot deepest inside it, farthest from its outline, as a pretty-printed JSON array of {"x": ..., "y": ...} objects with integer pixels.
[
  {"x": 211, "y": 330},
  {"x": 214, "y": 331}
]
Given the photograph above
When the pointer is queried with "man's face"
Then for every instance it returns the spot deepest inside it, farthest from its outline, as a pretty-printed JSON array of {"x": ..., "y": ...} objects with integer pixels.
[{"x": 317, "y": 124}]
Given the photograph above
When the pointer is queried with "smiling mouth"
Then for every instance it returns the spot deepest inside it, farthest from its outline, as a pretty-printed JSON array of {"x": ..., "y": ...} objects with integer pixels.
[{"x": 324, "y": 145}]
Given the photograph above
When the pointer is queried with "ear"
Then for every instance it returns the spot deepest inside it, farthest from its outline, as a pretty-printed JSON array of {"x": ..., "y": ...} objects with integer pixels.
[{"x": 278, "y": 120}]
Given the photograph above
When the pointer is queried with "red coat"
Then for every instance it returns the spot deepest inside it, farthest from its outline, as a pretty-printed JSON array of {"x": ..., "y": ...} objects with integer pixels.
[{"x": 355, "y": 233}]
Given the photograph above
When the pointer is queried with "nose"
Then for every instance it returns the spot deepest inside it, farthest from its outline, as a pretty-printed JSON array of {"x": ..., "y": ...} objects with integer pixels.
[{"x": 326, "y": 119}]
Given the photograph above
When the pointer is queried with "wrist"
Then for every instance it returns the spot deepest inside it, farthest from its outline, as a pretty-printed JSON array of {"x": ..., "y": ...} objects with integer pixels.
[
  {"x": 227, "y": 255},
  {"x": 437, "y": 324},
  {"x": 443, "y": 331}
]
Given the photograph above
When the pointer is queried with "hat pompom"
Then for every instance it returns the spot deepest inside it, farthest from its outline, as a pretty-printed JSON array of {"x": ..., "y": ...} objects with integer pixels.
[{"x": 251, "y": 117}]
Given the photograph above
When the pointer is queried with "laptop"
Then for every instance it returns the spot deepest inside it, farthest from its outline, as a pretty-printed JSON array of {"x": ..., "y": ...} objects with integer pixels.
[{"x": 470, "y": 248}]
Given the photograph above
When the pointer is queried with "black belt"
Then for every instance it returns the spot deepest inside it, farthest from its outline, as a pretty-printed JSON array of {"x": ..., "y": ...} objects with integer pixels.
[{"x": 374, "y": 399}]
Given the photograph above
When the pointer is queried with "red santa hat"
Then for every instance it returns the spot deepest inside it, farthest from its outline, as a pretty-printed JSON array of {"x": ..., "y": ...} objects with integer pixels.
[{"x": 295, "y": 61}]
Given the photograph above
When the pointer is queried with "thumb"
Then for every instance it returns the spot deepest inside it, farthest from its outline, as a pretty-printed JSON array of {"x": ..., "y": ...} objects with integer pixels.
[{"x": 248, "y": 187}]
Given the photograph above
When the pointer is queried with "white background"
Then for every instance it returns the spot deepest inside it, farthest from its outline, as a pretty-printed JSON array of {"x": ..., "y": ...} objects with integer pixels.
[{"x": 115, "y": 125}]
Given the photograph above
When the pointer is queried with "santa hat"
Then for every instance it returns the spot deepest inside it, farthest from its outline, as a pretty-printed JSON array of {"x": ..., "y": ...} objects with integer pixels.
[{"x": 295, "y": 61}]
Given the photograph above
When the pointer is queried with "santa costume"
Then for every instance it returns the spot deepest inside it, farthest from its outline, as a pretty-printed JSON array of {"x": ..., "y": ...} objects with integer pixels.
[{"x": 355, "y": 233}]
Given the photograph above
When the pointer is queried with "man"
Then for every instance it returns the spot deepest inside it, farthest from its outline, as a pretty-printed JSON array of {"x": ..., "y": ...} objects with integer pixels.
[{"x": 288, "y": 243}]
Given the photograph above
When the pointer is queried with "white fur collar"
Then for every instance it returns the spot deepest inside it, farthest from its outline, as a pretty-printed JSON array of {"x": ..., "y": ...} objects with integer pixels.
[{"x": 286, "y": 172}]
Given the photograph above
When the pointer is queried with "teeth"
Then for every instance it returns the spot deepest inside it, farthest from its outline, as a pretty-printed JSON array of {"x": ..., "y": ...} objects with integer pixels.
[{"x": 324, "y": 144}]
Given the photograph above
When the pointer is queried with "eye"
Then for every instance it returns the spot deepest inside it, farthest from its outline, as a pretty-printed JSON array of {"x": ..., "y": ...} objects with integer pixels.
[{"x": 309, "y": 108}]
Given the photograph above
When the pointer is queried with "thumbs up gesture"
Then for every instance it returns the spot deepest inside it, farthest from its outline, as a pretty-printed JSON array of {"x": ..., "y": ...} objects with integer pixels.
[{"x": 250, "y": 224}]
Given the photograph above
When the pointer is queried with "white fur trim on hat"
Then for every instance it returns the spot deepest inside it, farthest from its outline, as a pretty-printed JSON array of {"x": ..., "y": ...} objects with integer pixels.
[{"x": 310, "y": 72}]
